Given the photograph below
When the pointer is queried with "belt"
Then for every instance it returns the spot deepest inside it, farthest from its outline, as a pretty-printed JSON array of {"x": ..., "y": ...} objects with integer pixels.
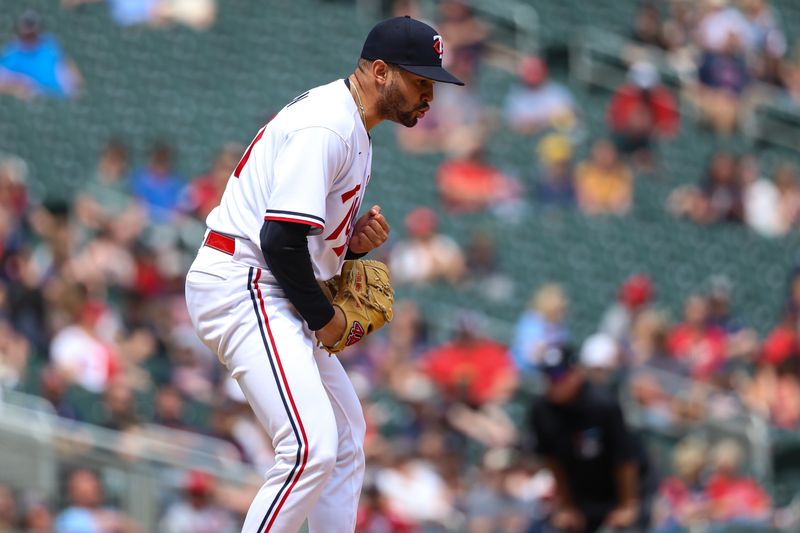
[{"x": 220, "y": 242}]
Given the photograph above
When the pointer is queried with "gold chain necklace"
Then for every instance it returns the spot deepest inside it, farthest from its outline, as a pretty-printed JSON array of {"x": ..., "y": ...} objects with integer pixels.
[{"x": 360, "y": 105}]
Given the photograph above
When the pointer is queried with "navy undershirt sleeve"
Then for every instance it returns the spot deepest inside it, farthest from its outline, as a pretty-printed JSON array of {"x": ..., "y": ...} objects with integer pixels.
[{"x": 285, "y": 249}]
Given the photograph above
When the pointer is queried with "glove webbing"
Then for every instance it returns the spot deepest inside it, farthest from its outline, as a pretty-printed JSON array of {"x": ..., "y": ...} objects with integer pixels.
[{"x": 362, "y": 298}]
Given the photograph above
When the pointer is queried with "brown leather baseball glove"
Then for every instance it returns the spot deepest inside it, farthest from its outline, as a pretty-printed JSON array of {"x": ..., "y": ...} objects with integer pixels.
[{"x": 364, "y": 294}]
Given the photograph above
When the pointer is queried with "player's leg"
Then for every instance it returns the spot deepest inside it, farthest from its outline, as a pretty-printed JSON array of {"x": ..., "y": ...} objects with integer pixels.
[
  {"x": 269, "y": 353},
  {"x": 336, "y": 508},
  {"x": 283, "y": 386}
]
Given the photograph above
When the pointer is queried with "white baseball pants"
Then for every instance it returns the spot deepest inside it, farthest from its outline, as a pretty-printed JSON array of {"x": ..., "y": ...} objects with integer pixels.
[{"x": 300, "y": 394}]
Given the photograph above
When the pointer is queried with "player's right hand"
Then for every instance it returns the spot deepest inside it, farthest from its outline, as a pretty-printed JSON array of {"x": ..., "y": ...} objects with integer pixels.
[{"x": 331, "y": 332}]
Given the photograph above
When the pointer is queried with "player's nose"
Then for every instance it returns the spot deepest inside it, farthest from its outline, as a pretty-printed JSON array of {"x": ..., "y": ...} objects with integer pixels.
[{"x": 427, "y": 96}]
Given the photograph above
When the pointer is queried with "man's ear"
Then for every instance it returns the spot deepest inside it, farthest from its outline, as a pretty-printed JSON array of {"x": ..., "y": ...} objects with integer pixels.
[{"x": 380, "y": 70}]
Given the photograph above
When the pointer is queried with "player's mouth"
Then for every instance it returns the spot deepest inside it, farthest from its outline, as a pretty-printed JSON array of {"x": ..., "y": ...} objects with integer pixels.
[{"x": 422, "y": 110}]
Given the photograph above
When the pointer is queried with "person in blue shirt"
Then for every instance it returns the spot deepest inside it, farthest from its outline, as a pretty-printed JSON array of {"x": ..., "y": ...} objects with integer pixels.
[
  {"x": 34, "y": 63},
  {"x": 540, "y": 326},
  {"x": 157, "y": 186}
]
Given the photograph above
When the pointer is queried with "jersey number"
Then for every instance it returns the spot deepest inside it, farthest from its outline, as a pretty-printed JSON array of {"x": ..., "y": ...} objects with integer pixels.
[
  {"x": 246, "y": 155},
  {"x": 347, "y": 221}
]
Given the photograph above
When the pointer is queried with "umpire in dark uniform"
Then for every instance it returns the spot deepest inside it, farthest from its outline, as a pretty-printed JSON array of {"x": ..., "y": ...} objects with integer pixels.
[{"x": 599, "y": 467}]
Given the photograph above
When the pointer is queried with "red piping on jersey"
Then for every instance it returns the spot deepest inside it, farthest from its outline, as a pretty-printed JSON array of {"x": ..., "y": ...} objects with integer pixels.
[
  {"x": 297, "y": 220},
  {"x": 291, "y": 401}
]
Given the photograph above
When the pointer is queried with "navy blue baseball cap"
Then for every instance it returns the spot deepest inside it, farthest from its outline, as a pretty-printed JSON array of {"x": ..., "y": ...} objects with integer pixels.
[
  {"x": 411, "y": 45},
  {"x": 556, "y": 361}
]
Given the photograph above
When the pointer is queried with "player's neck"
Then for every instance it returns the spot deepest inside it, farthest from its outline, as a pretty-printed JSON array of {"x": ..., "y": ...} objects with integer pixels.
[{"x": 363, "y": 102}]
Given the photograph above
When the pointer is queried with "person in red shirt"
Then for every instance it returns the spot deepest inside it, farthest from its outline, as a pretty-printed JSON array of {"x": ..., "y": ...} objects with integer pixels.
[
  {"x": 375, "y": 516},
  {"x": 467, "y": 183},
  {"x": 696, "y": 341},
  {"x": 682, "y": 499},
  {"x": 204, "y": 192},
  {"x": 734, "y": 497},
  {"x": 641, "y": 112},
  {"x": 781, "y": 343},
  {"x": 471, "y": 368}
]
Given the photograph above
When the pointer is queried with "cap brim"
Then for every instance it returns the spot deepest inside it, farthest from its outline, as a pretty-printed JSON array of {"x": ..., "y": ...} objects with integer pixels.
[{"x": 432, "y": 73}]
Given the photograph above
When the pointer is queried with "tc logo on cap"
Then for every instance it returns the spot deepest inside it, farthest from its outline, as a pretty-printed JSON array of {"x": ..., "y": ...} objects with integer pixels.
[{"x": 438, "y": 45}]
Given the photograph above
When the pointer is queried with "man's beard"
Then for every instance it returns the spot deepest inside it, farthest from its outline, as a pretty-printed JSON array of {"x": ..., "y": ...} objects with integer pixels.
[{"x": 391, "y": 104}]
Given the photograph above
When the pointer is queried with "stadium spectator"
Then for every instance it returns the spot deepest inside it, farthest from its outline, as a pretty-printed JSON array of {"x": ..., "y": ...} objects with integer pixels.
[
  {"x": 682, "y": 500},
  {"x": 721, "y": 191},
  {"x": 34, "y": 63},
  {"x": 467, "y": 183},
  {"x": 204, "y": 192},
  {"x": 15, "y": 353},
  {"x": 536, "y": 103},
  {"x": 82, "y": 352},
  {"x": 759, "y": 197},
  {"x": 788, "y": 204},
  {"x": 768, "y": 40},
  {"x": 647, "y": 344},
  {"x": 197, "y": 14},
  {"x": 8, "y": 509},
  {"x": 735, "y": 498},
  {"x": 648, "y": 27},
  {"x": 464, "y": 33},
  {"x": 157, "y": 185},
  {"x": 119, "y": 407},
  {"x": 53, "y": 388},
  {"x": 720, "y": 314},
  {"x": 723, "y": 78},
  {"x": 604, "y": 183},
  {"x": 555, "y": 182},
  {"x": 197, "y": 511},
  {"x": 37, "y": 516},
  {"x": 105, "y": 201},
  {"x": 490, "y": 503},
  {"x": 600, "y": 356},
  {"x": 774, "y": 393},
  {"x": 483, "y": 272},
  {"x": 191, "y": 366},
  {"x": 719, "y": 197},
  {"x": 89, "y": 510},
  {"x": 26, "y": 306},
  {"x": 642, "y": 111},
  {"x": 426, "y": 256},
  {"x": 790, "y": 77},
  {"x": 781, "y": 343},
  {"x": 169, "y": 408},
  {"x": 13, "y": 185},
  {"x": 471, "y": 368},
  {"x": 633, "y": 296},
  {"x": 696, "y": 341},
  {"x": 376, "y": 516},
  {"x": 414, "y": 490},
  {"x": 719, "y": 22},
  {"x": 677, "y": 31},
  {"x": 600, "y": 471},
  {"x": 541, "y": 325}
]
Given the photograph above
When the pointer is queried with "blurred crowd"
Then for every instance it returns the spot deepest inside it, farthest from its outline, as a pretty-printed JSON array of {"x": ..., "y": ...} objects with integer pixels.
[{"x": 92, "y": 314}]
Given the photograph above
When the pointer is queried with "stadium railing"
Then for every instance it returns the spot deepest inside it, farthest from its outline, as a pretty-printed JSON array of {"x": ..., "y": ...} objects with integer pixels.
[
  {"x": 142, "y": 466},
  {"x": 725, "y": 416},
  {"x": 600, "y": 58}
]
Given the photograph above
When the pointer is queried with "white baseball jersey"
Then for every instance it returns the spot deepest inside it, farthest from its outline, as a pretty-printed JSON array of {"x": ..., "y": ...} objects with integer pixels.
[{"x": 310, "y": 164}]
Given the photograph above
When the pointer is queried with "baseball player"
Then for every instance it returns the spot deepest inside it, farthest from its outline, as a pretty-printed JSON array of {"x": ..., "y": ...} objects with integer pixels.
[{"x": 288, "y": 220}]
